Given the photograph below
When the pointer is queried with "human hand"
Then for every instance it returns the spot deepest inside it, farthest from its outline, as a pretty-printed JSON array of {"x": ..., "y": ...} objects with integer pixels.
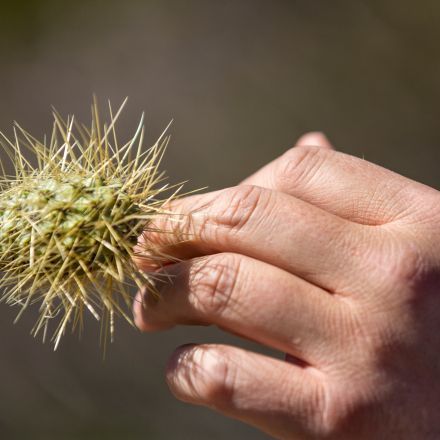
[{"x": 328, "y": 258}]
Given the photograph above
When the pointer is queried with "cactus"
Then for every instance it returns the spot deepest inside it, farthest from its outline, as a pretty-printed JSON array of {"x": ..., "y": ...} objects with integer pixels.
[{"x": 70, "y": 218}]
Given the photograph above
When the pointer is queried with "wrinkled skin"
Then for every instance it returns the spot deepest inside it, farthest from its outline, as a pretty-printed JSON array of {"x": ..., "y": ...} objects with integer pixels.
[{"x": 330, "y": 259}]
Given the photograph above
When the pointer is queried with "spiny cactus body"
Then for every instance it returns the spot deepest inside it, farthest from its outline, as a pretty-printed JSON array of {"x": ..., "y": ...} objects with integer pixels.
[{"x": 70, "y": 221}]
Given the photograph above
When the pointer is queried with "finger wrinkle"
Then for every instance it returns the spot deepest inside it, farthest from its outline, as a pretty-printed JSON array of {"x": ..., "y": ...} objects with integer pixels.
[{"x": 199, "y": 374}]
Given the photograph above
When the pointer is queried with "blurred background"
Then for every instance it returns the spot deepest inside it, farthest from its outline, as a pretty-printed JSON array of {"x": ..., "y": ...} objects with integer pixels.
[{"x": 242, "y": 79}]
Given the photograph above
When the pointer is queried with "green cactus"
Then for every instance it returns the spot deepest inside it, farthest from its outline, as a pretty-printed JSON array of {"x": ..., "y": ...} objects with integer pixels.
[{"x": 69, "y": 225}]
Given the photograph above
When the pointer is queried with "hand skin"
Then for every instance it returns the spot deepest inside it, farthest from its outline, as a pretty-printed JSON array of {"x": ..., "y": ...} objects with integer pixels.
[{"x": 330, "y": 259}]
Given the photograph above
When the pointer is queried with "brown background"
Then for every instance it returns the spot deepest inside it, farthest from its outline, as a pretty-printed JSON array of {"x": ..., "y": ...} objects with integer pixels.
[{"x": 242, "y": 79}]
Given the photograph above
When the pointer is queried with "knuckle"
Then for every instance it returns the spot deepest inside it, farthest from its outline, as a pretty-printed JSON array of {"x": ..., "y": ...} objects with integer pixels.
[
  {"x": 202, "y": 374},
  {"x": 300, "y": 164},
  {"x": 395, "y": 260},
  {"x": 239, "y": 206},
  {"x": 213, "y": 283},
  {"x": 218, "y": 384},
  {"x": 404, "y": 263}
]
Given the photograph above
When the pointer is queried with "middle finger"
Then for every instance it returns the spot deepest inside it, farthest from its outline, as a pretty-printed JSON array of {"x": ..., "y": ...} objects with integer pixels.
[{"x": 267, "y": 225}]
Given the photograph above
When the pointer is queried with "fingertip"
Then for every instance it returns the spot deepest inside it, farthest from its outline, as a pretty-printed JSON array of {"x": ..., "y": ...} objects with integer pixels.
[
  {"x": 143, "y": 305},
  {"x": 314, "y": 138},
  {"x": 138, "y": 312},
  {"x": 178, "y": 372}
]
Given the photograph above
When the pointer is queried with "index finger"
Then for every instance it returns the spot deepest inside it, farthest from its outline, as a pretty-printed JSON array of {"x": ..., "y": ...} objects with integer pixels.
[
  {"x": 344, "y": 185},
  {"x": 266, "y": 225}
]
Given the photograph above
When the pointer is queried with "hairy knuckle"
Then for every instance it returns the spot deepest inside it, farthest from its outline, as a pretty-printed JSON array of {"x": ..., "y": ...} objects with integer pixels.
[
  {"x": 300, "y": 164},
  {"x": 213, "y": 283}
]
